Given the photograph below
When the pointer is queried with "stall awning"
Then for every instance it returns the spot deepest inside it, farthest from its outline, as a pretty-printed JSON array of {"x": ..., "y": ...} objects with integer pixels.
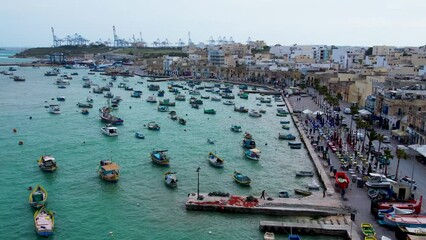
[
  {"x": 399, "y": 133},
  {"x": 422, "y": 150},
  {"x": 364, "y": 112}
]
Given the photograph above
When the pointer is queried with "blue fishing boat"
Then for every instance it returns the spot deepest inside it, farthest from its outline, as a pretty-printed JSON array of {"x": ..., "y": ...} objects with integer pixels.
[
  {"x": 241, "y": 179},
  {"x": 236, "y": 128},
  {"x": 216, "y": 161},
  {"x": 252, "y": 154},
  {"x": 295, "y": 145},
  {"x": 153, "y": 126},
  {"x": 286, "y": 127},
  {"x": 160, "y": 157},
  {"x": 44, "y": 222},
  {"x": 139, "y": 135},
  {"x": 163, "y": 108},
  {"x": 160, "y": 93},
  {"x": 294, "y": 237},
  {"x": 286, "y": 136},
  {"x": 249, "y": 143},
  {"x": 209, "y": 111},
  {"x": 285, "y": 122},
  {"x": 135, "y": 94}
]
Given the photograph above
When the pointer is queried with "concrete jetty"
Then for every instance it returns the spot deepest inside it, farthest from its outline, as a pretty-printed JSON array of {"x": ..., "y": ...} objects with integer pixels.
[
  {"x": 334, "y": 226},
  {"x": 304, "y": 206}
]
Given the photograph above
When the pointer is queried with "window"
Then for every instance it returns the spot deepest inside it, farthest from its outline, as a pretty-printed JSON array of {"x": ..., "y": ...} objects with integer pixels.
[{"x": 420, "y": 109}]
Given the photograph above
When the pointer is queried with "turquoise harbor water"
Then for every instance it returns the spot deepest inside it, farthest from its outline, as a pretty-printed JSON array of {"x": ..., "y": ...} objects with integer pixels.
[
  {"x": 139, "y": 206},
  {"x": 6, "y": 53}
]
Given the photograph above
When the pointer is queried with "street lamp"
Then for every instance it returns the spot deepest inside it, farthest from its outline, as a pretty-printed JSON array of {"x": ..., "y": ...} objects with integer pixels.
[{"x": 198, "y": 184}]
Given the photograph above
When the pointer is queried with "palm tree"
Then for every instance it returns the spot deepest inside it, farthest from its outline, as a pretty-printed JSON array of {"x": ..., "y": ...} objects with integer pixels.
[
  {"x": 380, "y": 137},
  {"x": 400, "y": 153},
  {"x": 354, "y": 110},
  {"x": 388, "y": 156},
  {"x": 372, "y": 135},
  {"x": 366, "y": 126}
]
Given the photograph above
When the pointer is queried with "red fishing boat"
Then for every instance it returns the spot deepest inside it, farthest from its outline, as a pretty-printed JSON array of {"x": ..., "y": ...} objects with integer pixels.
[
  {"x": 416, "y": 205},
  {"x": 342, "y": 180}
]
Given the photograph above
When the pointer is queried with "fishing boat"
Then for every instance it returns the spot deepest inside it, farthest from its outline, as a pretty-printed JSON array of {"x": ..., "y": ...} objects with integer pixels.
[
  {"x": 240, "y": 109},
  {"x": 209, "y": 140},
  {"x": 236, "y": 128},
  {"x": 285, "y": 127},
  {"x": 160, "y": 157},
  {"x": 205, "y": 97},
  {"x": 283, "y": 194},
  {"x": 244, "y": 96},
  {"x": 139, "y": 135},
  {"x": 281, "y": 114},
  {"x": 109, "y": 130},
  {"x": 153, "y": 126},
  {"x": 228, "y": 102},
  {"x": 342, "y": 180},
  {"x": 160, "y": 93},
  {"x": 269, "y": 236},
  {"x": 252, "y": 154},
  {"x": 106, "y": 116},
  {"x": 18, "y": 79},
  {"x": 166, "y": 102},
  {"x": 47, "y": 163},
  {"x": 394, "y": 211},
  {"x": 84, "y": 105},
  {"x": 403, "y": 232},
  {"x": 304, "y": 173},
  {"x": 54, "y": 109},
  {"x": 108, "y": 95},
  {"x": 216, "y": 99},
  {"x": 286, "y": 136},
  {"x": 135, "y": 94},
  {"x": 294, "y": 237},
  {"x": 173, "y": 115},
  {"x": 194, "y": 105},
  {"x": 180, "y": 97},
  {"x": 215, "y": 160},
  {"x": 404, "y": 220},
  {"x": 38, "y": 197},
  {"x": 295, "y": 145},
  {"x": 44, "y": 222},
  {"x": 170, "y": 179},
  {"x": 151, "y": 99},
  {"x": 302, "y": 192},
  {"x": 285, "y": 122},
  {"x": 209, "y": 111},
  {"x": 84, "y": 111},
  {"x": 254, "y": 113},
  {"x": 182, "y": 121},
  {"x": 412, "y": 204},
  {"x": 153, "y": 87},
  {"x": 241, "y": 179},
  {"x": 109, "y": 171},
  {"x": 249, "y": 143},
  {"x": 163, "y": 108}
]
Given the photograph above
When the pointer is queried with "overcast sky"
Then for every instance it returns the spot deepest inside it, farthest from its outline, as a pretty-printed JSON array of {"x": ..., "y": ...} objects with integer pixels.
[{"x": 27, "y": 23}]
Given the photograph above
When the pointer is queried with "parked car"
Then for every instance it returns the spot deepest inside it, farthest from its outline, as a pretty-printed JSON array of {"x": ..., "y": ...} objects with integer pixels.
[
  {"x": 378, "y": 181},
  {"x": 386, "y": 139},
  {"x": 347, "y": 111},
  {"x": 355, "y": 117},
  {"x": 409, "y": 181}
]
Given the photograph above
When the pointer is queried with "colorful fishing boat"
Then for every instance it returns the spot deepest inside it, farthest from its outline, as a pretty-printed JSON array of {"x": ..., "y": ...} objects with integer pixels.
[
  {"x": 151, "y": 99},
  {"x": 241, "y": 109},
  {"x": 368, "y": 230},
  {"x": 241, "y": 179},
  {"x": 84, "y": 105},
  {"x": 394, "y": 211},
  {"x": 249, "y": 143},
  {"x": 163, "y": 108},
  {"x": 294, "y": 237},
  {"x": 286, "y": 136},
  {"x": 47, "y": 163},
  {"x": 285, "y": 122},
  {"x": 216, "y": 161},
  {"x": 404, "y": 220},
  {"x": 236, "y": 128},
  {"x": 285, "y": 126},
  {"x": 139, "y": 135},
  {"x": 38, "y": 197},
  {"x": 109, "y": 171},
  {"x": 209, "y": 111},
  {"x": 160, "y": 157},
  {"x": 153, "y": 126},
  {"x": 44, "y": 222},
  {"x": 252, "y": 154},
  {"x": 304, "y": 173},
  {"x": 295, "y": 145},
  {"x": 403, "y": 232},
  {"x": 84, "y": 111},
  {"x": 166, "y": 102},
  {"x": 412, "y": 204},
  {"x": 170, "y": 179}
]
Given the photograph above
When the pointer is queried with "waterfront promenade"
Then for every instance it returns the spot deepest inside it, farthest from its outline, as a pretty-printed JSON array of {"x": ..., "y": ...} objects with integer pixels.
[{"x": 357, "y": 198}]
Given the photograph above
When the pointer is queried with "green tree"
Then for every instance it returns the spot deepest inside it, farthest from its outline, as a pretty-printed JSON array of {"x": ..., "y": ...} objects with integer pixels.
[
  {"x": 366, "y": 125},
  {"x": 369, "y": 51},
  {"x": 388, "y": 156},
  {"x": 354, "y": 110},
  {"x": 400, "y": 153},
  {"x": 372, "y": 136}
]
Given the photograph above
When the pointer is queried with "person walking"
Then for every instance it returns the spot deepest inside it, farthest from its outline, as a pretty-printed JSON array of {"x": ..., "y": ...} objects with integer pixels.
[
  {"x": 263, "y": 195},
  {"x": 323, "y": 192}
]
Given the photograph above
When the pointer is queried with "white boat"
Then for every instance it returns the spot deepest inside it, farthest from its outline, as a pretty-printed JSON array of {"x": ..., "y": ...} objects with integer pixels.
[
  {"x": 62, "y": 82},
  {"x": 170, "y": 179},
  {"x": 313, "y": 185},
  {"x": 44, "y": 222},
  {"x": 254, "y": 113},
  {"x": 151, "y": 99},
  {"x": 54, "y": 108},
  {"x": 109, "y": 131},
  {"x": 216, "y": 98},
  {"x": 268, "y": 236},
  {"x": 228, "y": 102}
]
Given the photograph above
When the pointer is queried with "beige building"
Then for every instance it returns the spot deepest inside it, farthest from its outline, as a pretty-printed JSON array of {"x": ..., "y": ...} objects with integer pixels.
[{"x": 383, "y": 50}]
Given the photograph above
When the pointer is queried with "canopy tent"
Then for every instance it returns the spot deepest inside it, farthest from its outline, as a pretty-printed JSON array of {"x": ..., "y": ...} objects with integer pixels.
[
  {"x": 422, "y": 150},
  {"x": 364, "y": 112},
  {"x": 318, "y": 112},
  {"x": 307, "y": 111},
  {"x": 414, "y": 146},
  {"x": 402, "y": 147},
  {"x": 399, "y": 133}
]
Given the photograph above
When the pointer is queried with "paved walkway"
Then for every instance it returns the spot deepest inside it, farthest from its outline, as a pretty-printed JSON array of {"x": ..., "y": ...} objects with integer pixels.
[{"x": 357, "y": 198}]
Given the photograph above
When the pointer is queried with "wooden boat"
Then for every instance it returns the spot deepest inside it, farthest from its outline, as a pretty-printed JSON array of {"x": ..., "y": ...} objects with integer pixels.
[
  {"x": 160, "y": 93},
  {"x": 294, "y": 237},
  {"x": 412, "y": 204},
  {"x": 84, "y": 105},
  {"x": 139, "y": 135},
  {"x": 205, "y": 97},
  {"x": 285, "y": 122},
  {"x": 268, "y": 236},
  {"x": 241, "y": 179},
  {"x": 151, "y": 99},
  {"x": 285, "y": 126},
  {"x": 47, "y": 163},
  {"x": 254, "y": 113},
  {"x": 342, "y": 180},
  {"x": 403, "y": 232},
  {"x": 302, "y": 192},
  {"x": 135, "y": 94},
  {"x": 404, "y": 220},
  {"x": 84, "y": 111},
  {"x": 252, "y": 154},
  {"x": 166, "y": 102},
  {"x": 368, "y": 230},
  {"x": 283, "y": 194},
  {"x": 109, "y": 171},
  {"x": 44, "y": 222},
  {"x": 54, "y": 108},
  {"x": 106, "y": 116},
  {"x": 394, "y": 211},
  {"x": 228, "y": 102},
  {"x": 304, "y": 173},
  {"x": 286, "y": 136},
  {"x": 249, "y": 143},
  {"x": 313, "y": 185},
  {"x": 216, "y": 161},
  {"x": 209, "y": 111},
  {"x": 182, "y": 121},
  {"x": 153, "y": 126},
  {"x": 209, "y": 140},
  {"x": 180, "y": 97},
  {"x": 109, "y": 130},
  {"x": 160, "y": 157},
  {"x": 241, "y": 109},
  {"x": 244, "y": 96},
  {"x": 170, "y": 179},
  {"x": 295, "y": 145},
  {"x": 236, "y": 128},
  {"x": 38, "y": 197},
  {"x": 163, "y": 108}
]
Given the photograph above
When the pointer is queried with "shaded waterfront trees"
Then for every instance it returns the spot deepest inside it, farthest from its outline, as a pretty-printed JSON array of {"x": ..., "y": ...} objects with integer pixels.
[
  {"x": 400, "y": 153},
  {"x": 388, "y": 157}
]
